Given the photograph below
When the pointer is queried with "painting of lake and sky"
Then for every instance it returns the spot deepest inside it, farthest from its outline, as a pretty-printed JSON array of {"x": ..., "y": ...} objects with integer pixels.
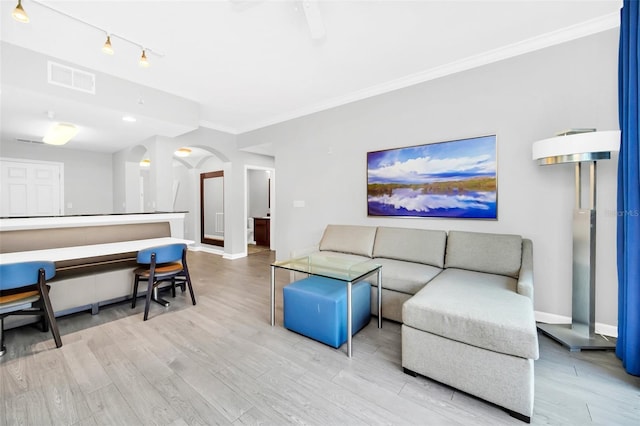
[{"x": 455, "y": 179}]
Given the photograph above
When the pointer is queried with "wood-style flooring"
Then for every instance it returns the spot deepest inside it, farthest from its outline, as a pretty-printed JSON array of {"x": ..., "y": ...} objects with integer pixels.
[{"x": 220, "y": 362}]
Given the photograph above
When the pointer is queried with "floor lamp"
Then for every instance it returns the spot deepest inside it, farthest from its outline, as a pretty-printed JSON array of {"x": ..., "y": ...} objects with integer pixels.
[{"x": 580, "y": 146}]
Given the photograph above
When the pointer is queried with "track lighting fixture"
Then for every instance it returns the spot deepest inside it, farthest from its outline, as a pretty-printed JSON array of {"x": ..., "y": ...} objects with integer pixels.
[
  {"x": 19, "y": 14},
  {"x": 144, "y": 63},
  {"x": 107, "y": 48}
]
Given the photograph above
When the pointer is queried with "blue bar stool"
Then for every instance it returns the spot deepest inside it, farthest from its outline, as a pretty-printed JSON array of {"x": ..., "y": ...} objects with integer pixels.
[
  {"x": 160, "y": 264},
  {"x": 24, "y": 291}
]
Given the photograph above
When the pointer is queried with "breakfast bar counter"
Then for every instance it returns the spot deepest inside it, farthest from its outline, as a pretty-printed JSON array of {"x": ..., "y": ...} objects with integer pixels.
[{"x": 94, "y": 254}]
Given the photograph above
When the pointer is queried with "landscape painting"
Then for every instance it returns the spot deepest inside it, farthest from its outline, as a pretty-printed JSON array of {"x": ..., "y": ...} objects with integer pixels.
[{"x": 454, "y": 179}]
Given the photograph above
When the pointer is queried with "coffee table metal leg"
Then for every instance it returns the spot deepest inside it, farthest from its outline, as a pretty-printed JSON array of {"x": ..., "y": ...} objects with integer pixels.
[
  {"x": 273, "y": 296},
  {"x": 379, "y": 275},
  {"x": 349, "y": 318}
]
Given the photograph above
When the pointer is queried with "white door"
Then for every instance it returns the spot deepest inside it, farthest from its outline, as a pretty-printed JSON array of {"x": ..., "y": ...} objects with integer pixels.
[{"x": 30, "y": 188}]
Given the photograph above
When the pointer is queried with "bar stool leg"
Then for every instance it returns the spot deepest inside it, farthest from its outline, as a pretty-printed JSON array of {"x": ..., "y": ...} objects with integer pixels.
[{"x": 3, "y": 348}]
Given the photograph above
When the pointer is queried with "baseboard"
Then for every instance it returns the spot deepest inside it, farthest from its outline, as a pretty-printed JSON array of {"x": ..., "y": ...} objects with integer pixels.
[
  {"x": 234, "y": 256},
  {"x": 211, "y": 250},
  {"x": 604, "y": 329}
]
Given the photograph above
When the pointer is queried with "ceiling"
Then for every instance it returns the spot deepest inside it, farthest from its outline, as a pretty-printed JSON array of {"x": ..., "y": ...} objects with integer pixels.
[{"x": 238, "y": 65}]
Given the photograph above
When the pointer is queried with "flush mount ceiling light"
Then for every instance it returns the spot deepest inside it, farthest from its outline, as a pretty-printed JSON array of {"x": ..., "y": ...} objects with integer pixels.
[
  {"x": 129, "y": 118},
  {"x": 145, "y": 163},
  {"x": 182, "y": 152},
  {"x": 144, "y": 63},
  {"x": 60, "y": 134},
  {"x": 107, "y": 48},
  {"x": 19, "y": 14}
]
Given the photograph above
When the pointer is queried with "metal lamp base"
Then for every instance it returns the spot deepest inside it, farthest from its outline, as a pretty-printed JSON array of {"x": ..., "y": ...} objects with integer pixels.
[{"x": 574, "y": 340}]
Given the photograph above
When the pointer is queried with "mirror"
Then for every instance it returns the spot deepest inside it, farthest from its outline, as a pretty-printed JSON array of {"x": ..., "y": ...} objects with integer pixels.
[{"x": 212, "y": 208}]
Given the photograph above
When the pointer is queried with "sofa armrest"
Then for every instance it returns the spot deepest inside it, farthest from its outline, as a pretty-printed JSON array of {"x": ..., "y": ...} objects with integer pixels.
[{"x": 525, "y": 278}]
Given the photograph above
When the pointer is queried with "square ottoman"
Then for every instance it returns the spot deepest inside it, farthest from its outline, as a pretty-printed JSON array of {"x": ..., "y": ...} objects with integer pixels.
[{"x": 316, "y": 307}]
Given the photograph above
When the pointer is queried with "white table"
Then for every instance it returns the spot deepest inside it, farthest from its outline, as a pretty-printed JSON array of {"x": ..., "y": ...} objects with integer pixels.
[{"x": 94, "y": 250}]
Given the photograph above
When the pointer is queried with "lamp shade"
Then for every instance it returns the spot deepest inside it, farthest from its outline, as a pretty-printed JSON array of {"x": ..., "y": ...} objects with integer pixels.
[
  {"x": 19, "y": 14},
  {"x": 588, "y": 146}
]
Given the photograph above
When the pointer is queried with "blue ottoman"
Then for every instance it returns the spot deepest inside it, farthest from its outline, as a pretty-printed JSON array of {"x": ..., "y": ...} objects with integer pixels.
[{"x": 317, "y": 308}]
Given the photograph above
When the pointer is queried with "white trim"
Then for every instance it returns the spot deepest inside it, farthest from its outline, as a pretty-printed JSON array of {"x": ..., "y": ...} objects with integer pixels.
[
  {"x": 593, "y": 26},
  {"x": 207, "y": 249},
  {"x": 604, "y": 329}
]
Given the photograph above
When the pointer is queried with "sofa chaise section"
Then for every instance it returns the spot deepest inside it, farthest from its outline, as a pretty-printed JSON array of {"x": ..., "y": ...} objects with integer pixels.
[{"x": 473, "y": 327}]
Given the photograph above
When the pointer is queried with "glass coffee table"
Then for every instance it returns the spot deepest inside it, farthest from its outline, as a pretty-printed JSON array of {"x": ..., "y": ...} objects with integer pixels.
[{"x": 349, "y": 271}]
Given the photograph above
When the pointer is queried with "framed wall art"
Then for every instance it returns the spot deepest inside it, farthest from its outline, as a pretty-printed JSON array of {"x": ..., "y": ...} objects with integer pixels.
[{"x": 453, "y": 179}]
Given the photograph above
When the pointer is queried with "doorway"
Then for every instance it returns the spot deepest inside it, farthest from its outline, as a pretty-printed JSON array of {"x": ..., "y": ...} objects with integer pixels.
[{"x": 259, "y": 208}]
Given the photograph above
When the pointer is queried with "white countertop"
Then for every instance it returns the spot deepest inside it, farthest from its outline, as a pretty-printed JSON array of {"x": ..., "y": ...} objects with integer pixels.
[{"x": 81, "y": 252}]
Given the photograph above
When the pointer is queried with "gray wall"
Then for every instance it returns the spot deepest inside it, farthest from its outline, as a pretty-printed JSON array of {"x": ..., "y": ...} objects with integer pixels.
[
  {"x": 321, "y": 158},
  {"x": 87, "y": 175}
]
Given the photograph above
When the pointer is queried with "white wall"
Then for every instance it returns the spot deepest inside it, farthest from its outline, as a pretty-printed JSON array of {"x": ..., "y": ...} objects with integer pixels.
[
  {"x": 87, "y": 175},
  {"x": 321, "y": 158}
]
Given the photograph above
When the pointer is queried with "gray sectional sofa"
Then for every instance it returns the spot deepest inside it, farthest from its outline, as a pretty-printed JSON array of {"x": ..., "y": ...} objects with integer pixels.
[{"x": 465, "y": 301}]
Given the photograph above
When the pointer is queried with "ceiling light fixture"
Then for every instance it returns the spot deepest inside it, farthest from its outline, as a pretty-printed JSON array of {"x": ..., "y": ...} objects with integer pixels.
[
  {"x": 129, "y": 118},
  {"x": 60, "y": 134},
  {"x": 182, "y": 152},
  {"x": 19, "y": 14},
  {"x": 145, "y": 163},
  {"x": 107, "y": 48},
  {"x": 144, "y": 63}
]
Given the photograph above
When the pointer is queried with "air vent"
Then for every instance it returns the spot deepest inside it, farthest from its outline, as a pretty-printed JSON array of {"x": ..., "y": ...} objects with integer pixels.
[
  {"x": 29, "y": 141},
  {"x": 71, "y": 78}
]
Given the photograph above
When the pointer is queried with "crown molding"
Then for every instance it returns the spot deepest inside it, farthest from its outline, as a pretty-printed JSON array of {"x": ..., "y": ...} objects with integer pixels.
[{"x": 584, "y": 29}]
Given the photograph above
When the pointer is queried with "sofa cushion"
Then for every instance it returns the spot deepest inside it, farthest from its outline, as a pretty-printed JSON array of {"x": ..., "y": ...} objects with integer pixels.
[
  {"x": 475, "y": 308},
  {"x": 405, "y": 277},
  {"x": 349, "y": 239},
  {"x": 491, "y": 253},
  {"x": 413, "y": 245}
]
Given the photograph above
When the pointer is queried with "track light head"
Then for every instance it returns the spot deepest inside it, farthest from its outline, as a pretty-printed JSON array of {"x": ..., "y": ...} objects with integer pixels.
[
  {"x": 144, "y": 63},
  {"x": 107, "y": 48},
  {"x": 19, "y": 14}
]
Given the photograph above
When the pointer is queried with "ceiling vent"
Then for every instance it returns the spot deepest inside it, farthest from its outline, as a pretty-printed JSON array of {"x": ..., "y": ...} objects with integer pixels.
[
  {"x": 71, "y": 78},
  {"x": 21, "y": 140}
]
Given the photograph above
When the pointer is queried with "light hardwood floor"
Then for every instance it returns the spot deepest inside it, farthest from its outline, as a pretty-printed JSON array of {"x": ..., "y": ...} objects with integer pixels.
[{"x": 220, "y": 362}]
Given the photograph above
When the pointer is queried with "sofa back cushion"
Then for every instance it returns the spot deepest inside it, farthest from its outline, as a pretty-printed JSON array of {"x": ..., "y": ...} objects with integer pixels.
[
  {"x": 412, "y": 245},
  {"x": 492, "y": 253},
  {"x": 349, "y": 239}
]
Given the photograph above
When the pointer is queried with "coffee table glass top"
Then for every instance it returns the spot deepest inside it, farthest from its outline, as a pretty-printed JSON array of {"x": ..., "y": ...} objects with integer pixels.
[{"x": 329, "y": 266}]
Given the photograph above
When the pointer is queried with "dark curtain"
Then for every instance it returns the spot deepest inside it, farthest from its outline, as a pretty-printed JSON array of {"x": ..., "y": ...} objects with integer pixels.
[{"x": 628, "y": 346}]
